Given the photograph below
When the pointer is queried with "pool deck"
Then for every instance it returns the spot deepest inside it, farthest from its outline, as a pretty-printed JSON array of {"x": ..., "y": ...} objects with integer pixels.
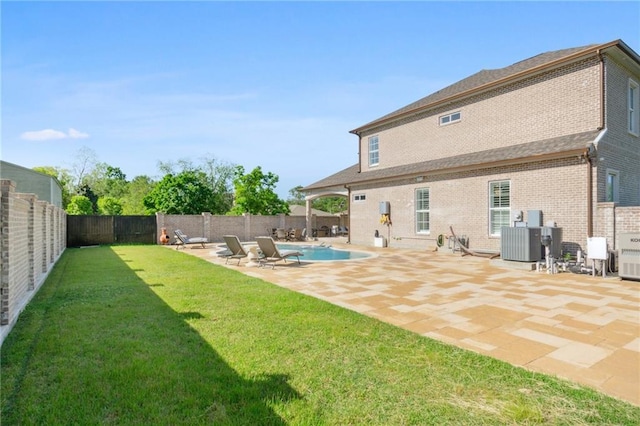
[{"x": 582, "y": 328}]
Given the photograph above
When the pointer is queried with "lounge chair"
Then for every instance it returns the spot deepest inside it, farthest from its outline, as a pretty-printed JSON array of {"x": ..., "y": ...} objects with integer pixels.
[
  {"x": 343, "y": 230},
  {"x": 271, "y": 253},
  {"x": 183, "y": 240},
  {"x": 236, "y": 249}
]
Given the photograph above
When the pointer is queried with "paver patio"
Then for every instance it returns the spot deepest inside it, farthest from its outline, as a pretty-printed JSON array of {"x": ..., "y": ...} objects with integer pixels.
[{"x": 582, "y": 328}]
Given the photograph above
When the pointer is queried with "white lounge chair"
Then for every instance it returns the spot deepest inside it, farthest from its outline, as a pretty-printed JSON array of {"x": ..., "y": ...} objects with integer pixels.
[
  {"x": 271, "y": 253},
  {"x": 236, "y": 249},
  {"x": 183, "y": 240}
]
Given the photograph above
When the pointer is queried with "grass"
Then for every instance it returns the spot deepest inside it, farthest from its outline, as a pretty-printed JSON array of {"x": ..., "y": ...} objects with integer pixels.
[{"x": 146, "y": 335}]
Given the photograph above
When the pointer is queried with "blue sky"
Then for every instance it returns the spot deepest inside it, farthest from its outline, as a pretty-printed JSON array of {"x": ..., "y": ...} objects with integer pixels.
[{"x": 271, "y": 84}]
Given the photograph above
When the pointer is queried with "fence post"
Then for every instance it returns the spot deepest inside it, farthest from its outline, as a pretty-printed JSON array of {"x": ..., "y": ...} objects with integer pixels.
[
  {"x": 247, "y": 226},
  {"x": 7, "y": 187},
  {"x": 206, "y": 225}
]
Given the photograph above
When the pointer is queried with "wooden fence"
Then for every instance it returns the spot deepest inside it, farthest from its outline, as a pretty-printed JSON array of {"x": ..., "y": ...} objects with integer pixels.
[{"x": 94, "y": 230}]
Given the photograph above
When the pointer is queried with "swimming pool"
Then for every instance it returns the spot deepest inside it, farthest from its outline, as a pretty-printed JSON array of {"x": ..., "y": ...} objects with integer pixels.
[{"x": 319, "y": 253}]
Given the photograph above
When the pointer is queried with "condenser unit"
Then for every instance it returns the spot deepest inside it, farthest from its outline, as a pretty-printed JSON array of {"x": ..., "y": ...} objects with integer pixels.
[
  {"x": 629, "y": 259},
  {"x": 520, "y": 244}
]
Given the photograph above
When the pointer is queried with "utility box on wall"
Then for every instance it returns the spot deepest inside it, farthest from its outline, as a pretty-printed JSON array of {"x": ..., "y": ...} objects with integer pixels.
[
  {"x": 385, "y": 207},
  {"x": 534, "y": 218}
]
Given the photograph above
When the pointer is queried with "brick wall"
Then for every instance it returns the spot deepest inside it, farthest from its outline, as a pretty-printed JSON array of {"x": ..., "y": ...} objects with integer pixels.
[
  {"x": 560, "y": 102},
  {"x": 618, "y": 150},
  {"x": 460, "y": 200},
  {"x": 246, "y": 227},
  {"x": 32, "y": 238},
  {"x": 612, "y": 220}
]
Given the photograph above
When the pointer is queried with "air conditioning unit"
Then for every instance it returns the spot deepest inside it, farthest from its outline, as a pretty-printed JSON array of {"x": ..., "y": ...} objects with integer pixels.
[
  {"x": 629, "y": 259},
  {"x": 520, "y": 244}
]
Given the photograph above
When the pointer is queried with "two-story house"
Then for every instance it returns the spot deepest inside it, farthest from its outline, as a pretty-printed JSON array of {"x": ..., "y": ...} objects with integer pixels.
[{"x": 557, "y": 134}]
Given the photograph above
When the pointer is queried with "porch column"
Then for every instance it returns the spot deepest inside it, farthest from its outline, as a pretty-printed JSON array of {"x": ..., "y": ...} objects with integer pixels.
[{"x": 308, "y": 221}]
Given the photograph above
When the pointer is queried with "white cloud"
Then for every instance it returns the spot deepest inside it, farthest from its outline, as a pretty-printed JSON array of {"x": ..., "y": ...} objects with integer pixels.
[
  {"x": 51, "y": 134},
  {"x": 76, "y": 134}
]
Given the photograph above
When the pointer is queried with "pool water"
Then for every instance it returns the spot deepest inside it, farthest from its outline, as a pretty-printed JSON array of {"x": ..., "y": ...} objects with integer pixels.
[{"x": 318, "y": 253}]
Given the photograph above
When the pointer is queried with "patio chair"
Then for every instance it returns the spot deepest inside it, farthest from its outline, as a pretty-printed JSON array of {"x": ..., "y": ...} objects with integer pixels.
[
  {"x": 282, "y": 234},
  {"x": 183, "y": 240},
  {"x": 271, "y": 253},
  {"x": 296, "y": 234},
  {"x": 236, "y": 249}
]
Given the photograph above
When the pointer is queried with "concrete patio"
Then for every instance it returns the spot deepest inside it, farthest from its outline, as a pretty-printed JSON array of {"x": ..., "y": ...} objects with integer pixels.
[{"x": 582, "y": 328}]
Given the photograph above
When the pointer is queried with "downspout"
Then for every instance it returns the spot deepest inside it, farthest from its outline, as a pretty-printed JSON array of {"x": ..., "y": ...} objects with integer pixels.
[
  {"x": 602, "y": 94},
  {"x": 586, "y": 153},
  {"x": 589, "y": 194},
  {"x": 359, "y": 153}
]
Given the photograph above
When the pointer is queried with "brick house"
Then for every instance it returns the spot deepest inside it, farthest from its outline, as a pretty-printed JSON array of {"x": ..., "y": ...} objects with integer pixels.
[{"x": 558, "y": 133}]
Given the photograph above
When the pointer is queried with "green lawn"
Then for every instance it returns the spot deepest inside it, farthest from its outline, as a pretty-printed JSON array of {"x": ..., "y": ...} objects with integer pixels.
[{"x": 147, "y": 335}]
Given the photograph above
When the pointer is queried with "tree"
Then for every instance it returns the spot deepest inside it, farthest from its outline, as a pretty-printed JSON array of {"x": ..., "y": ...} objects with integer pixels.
[
  {"x": 64, "y": 177},
  {"x": 80, "y": 205},
  {"x": 84, "y": 163},
  {"x": 109, "y": 206},
  {"x": 254, "y": 193},
  {"x": 219, "y": 176},
  {"x": 331, "y": 204},
  {"x": 107, "y": 181},
  {"x": 296, "y": 196},
  {"x": 185, "y": 193},
  {"x": 86, "y": 191},
  {"x": 133, "y": 200}
]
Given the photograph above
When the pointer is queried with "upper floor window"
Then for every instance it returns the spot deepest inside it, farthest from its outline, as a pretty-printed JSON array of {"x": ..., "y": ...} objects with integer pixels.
[
  {"x": 499, "y": 206},
  {"x": 422, "y": 210},
  {"x": 613, "y": 191},
  {"x": 450, "y": 118},
  {"x": 634, "y": 108},
  {"x": 359, "y": 197},
  {"x": 374, "y": 153}
]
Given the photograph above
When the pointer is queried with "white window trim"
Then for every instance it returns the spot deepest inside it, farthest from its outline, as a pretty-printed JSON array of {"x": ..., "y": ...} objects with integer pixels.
[
  {"x": 492, "y": 209},
  {"x": 358, "y": 198},
  {"x": 633, "y": 108},
  {"x": 377, "y": 150},
  {"x": 428, "y": 211},
  {"x": 445, "y": 120},
  {"x": 615, "y": 191}
]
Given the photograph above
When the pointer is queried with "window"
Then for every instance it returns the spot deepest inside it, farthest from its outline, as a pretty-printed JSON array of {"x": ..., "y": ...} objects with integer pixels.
[
  {"x": 422, "y": 210},
  {"x": 450, "y": 118},
  {"x": 374, "y": 155},
  {"x": 359, "y": 197},
  {"x": 499, "y": 206},
  {"x": 612, "y": 186},
  {"x": 634, "y": 108}
]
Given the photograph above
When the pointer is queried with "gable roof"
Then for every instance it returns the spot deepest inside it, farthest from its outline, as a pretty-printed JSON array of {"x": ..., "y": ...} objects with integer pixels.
[
  {"x": 488, "y": 79},
  {"x": 558, "y": 147}
]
